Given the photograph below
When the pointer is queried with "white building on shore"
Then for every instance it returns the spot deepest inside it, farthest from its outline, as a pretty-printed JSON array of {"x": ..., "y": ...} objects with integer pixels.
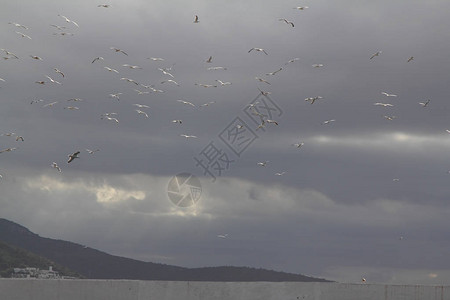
[{"x": 35, "y": 273}]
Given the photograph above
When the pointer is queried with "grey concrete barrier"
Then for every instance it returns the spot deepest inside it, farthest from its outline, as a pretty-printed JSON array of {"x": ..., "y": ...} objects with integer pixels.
[{"x": 66, "y": 289}]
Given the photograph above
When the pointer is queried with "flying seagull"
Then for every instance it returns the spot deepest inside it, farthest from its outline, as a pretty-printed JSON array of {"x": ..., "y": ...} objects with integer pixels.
[
  {"x": 97, "y": 58},
  {"x": 207, "y": 104},
  {"x": 274, "y": 72},
  {"x": 50, "y": 104},
  {"x": 108, "y": 115},
  {"x": 292, "y": 60},
  {"x": 301, "y": 7},
  {"x": 424, "y": 104},
  {"x": 19, "y": 138},
  {"x": 141, "y": 105},
  {"x": 141, "y": 92},
  {"x": 223, "y": 83},
  {"x": 111, "y": 70},
  {"x": 73, "y": 156},
  {"x": 216, "y": 68},
  {"x": 112, "y": 119},
  {"x": 68, "y": 21},
  {"x": 298, "y": 145},
  {"x": 375, "y": 54},
  {"x": 188, "y": 136},
  {"x": 131, "y": 67},
  {"x": 272, "y": 122},
  {"x": 92, "y": 151},
  {"x": 205, "y": 85},
  {"x": 265, "y": 93},
  {"x": 59, "y": 72},
  {"x": 258, "y": 49},
  {"x": 287, "y": 22},
  {"x": 52, "y": 80},
  {"x": 116, "y": 95},
  {"x": 118, "y": 50},
  {"x": 165, "y": 72},
  {"x": 8, "y": 150},
  {"x": 186, "y": 102},
  {"x": 142, "y": 113},
  {"x": 383, "y": 104},
  {"x": 171, "y": 81},
  {"x": 328, "y": 122},
  {"x": 9, "y": 53},
  {"x": 63, "y": 33},
  {"x": 58, "y": 27},
  {"x": 313, "y": 99},
  {"x": 410, "y": 59},
  {"x": 23, "y": 35},
  {"x": 262, "y": 125},
  {"x": 255, "y": 111},
  {"x": 18, "y": 25},
  {"x": 129, "y": 80},
  {"x": 388, "y": 95},
  {"x": 262, "y": 80},
  {"x": 8, "y": 134},
  {"x": 35, "y": 57},
  {"x": 36, "y": 101},
  {"x": 55, "y": 165}
]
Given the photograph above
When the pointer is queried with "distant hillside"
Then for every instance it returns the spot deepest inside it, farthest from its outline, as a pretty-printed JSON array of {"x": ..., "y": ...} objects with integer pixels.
[
  {"x": 95, "y": 264},
  {"x": 13, "y": 257}
]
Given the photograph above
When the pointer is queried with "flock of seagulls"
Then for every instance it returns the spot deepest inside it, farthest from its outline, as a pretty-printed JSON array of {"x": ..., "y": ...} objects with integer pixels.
[{"x": 167, "y": 71}]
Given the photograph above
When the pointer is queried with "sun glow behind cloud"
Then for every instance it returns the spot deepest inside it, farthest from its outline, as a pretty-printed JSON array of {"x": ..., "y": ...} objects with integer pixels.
[
  {"x": 109, "y": 194},
  {"x": 104, "y": 193}
]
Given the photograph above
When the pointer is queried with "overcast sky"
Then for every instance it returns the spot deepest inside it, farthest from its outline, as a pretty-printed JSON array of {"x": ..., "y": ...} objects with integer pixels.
[{"x": 366, "y": 195}]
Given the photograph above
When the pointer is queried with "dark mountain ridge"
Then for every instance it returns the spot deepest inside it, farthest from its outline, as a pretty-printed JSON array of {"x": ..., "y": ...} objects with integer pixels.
[{"x": 95, "y": 264}]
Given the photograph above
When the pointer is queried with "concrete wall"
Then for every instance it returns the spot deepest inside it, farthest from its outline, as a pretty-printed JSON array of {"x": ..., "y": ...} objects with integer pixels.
[{"x": 36, "y": 289}]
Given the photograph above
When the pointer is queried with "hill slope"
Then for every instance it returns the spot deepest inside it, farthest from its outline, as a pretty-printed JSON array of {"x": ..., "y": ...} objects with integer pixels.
[{"x": 94, "y": 264}]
